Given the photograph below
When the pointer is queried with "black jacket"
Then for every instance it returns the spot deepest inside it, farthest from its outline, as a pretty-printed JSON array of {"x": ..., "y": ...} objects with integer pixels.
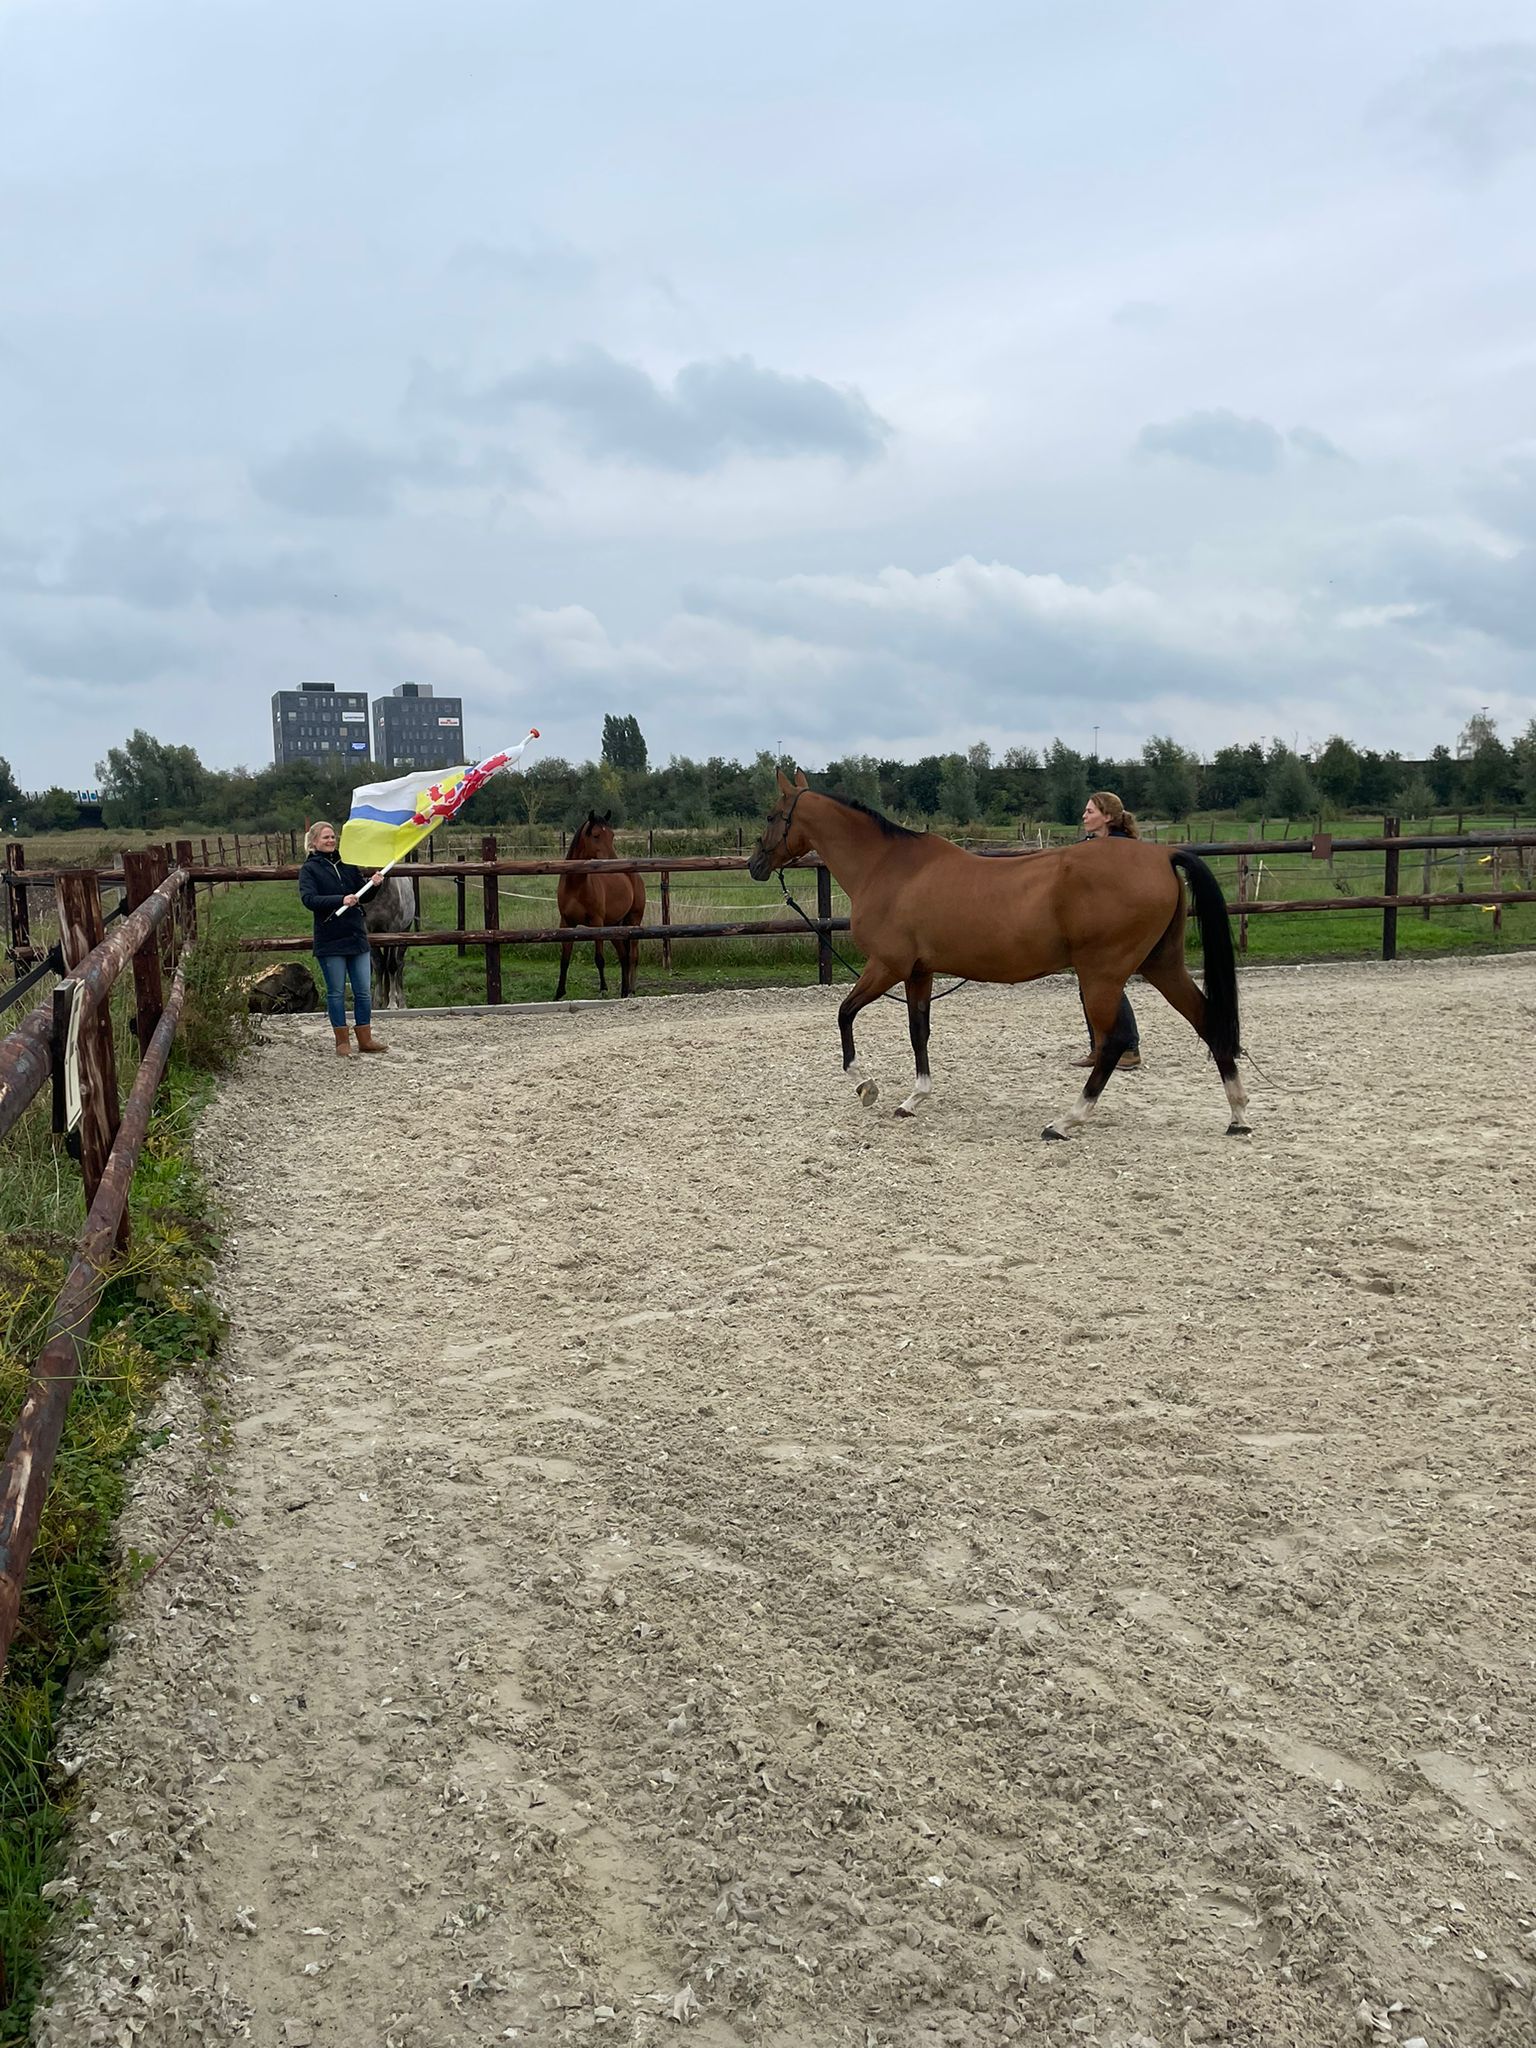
[{"x": 323, "y": 881}]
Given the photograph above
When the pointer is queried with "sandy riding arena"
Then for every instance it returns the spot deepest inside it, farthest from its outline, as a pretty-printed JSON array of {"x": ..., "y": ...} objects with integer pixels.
[{"x": 699, "y": 1560}]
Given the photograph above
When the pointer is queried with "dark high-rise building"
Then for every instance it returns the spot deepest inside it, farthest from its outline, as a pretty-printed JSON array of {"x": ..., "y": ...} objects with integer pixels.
[
  {"x": 412, "y": 728},
  {"x": 318, "y": 722}
]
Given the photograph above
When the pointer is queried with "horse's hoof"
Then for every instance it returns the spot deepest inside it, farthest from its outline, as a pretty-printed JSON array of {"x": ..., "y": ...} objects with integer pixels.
[
  {"x": 869, "y": 1093},
  {"x": 1238, "y": 1131},
  {"x": 902, "y": 1110},
  {"x": 1051, "y": 1132}
]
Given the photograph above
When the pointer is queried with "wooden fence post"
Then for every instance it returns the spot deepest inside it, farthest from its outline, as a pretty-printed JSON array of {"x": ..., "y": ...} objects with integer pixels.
[
  {"x": 159, "y": 868},
  {"x": 80, "y": 931},
  {"x": 1389, "y": 888},
  {"x": 666, "y": 918},
  {"x": 458, "y": 886},
  {"x": 140, "y": 882},
  {"x": 188, "y": 894},
  {"x": 1497, "y": 865},
  {"x": 823, "y": 913},
  {"x": 1242, "y": 897},
  {"x": 16, "y": 899},
  {"x": 492, "y": 923},
  {"x": 1429, "y": 876}
]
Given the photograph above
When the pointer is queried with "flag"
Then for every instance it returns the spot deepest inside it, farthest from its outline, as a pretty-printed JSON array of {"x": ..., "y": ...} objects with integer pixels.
[{"x": 389, "y": 819}]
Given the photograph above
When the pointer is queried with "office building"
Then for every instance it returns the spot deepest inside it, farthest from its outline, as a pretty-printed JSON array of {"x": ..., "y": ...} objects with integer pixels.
[
  {"x": 318, "y": 722},
  {"x": 413, "y": 728}
]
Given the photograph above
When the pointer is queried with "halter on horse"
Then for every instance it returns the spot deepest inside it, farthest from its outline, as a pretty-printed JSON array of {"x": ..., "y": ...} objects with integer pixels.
[{"x": 920, "y": 906}]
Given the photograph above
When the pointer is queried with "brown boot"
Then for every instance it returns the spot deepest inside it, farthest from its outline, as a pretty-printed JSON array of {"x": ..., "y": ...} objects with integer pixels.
[
  {"x": 343, "y": 1043},
  {"x": 1087, "y": 1060},
  {"x": 366, "y": 1042}
]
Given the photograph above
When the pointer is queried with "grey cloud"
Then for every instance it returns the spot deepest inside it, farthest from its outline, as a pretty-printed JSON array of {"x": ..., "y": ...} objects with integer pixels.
[
  {"x": 1474, "y": 108},
  {"x": 1307, "y": 441},
  {"x": 334, "y": 476},
  {"x": 1449, "y": 584},
  {"x": 548, "y": 266},
  {"x": 712, "y": 410},
  {"x": 1508, "y": 498},
  {"x": 167, "y": 565},
  {"x": 104, "y": 652},
  {"x": 1217, "y": 440},
  {"x": 1140, "y": 313}
]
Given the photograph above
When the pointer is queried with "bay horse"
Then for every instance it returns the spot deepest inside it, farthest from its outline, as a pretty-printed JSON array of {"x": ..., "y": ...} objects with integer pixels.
[
  {"x": 920, "y": 906},
  {"x": 600, "y": 899}
]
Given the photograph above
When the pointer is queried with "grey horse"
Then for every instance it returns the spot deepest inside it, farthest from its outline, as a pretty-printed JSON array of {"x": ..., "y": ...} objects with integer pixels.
[{"x": 389, "y": 908}]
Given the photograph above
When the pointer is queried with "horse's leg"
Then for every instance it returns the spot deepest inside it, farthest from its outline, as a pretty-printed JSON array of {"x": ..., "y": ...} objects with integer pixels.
[
  {"x": 565, "y": 967},
  {"x": 602, "y": 976},
  {"x": 628, "y": 951},
  {"x": 870, "y": 986},
  {"x": 919, "y": 1000},
  {"x": 1172, "y": 979},
  {"x": 1103, "y": 999}
]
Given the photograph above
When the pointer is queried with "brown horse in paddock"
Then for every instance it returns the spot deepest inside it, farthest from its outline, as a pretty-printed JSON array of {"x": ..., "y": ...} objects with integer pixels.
[
  {"x": 600, "y": 899},
  {"x": 1109, "y": 908}
]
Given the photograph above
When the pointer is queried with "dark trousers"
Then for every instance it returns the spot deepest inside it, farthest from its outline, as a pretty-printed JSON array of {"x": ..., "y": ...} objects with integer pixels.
[{"x": 1125, "y": 1022}]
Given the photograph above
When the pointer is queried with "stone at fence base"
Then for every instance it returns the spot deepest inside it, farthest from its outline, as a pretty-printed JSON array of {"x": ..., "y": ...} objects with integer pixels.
[{"x": 283, "y": 990}]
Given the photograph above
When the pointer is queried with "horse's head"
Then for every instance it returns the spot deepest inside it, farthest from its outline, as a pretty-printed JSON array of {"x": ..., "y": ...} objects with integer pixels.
[
  {"x": 592, "y": 839},
  {"x": 784, "y": 836}
]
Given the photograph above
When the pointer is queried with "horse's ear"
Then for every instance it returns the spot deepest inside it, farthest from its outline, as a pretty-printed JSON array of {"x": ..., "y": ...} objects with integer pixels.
[
  {"x": 800, "y": 781},
  {"x": 784, "y": 782},
  {"x": 607, "y": 817}
]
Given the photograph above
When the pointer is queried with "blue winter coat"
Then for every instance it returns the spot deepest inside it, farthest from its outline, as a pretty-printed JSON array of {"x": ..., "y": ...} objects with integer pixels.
[{"x": 323, "y": 881}]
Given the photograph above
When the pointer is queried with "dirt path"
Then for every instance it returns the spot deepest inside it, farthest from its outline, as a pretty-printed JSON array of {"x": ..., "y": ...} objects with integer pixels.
[{"x": 707, "y": 1559}]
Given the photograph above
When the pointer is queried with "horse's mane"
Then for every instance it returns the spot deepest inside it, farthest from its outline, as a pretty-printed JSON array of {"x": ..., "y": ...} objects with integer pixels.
[{"x": 887, "y": 825}]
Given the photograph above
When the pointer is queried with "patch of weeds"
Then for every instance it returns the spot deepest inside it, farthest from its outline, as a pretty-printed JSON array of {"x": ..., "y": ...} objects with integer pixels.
[{"x": 156, "y": 1317}]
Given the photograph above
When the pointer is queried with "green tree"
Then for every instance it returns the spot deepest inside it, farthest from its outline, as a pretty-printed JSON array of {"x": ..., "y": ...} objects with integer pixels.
[
  {"x": 1172, "y": 779},
  {"x": 1234, "y": 775},
  {"x": 1415, "y": 799},
  {"x": 1290, "y": 791},
  {"x": 145, "y": 781},
  {"x": 856, "y": 776},
  {"x": 957, "y": 789},
  {"x": 1336, "y": 771},
  {"x": 1524, "y": 751},
  {"x": 1442, "y": 775},
  {"x": 54, "y": 810},
  {"x": 1066, "y": 783},
  {"x": 623, "y": 742},
  {"x": 10, "y": 788}
]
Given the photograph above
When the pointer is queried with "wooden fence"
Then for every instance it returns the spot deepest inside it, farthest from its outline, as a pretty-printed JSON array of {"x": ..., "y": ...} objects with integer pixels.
[
  {"x": 67, "y": 1040},
  {"x": 1510, "y": 854}
]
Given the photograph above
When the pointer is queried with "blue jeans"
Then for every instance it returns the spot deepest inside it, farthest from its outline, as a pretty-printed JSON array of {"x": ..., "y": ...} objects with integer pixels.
[{"x": 338, "y": 971}]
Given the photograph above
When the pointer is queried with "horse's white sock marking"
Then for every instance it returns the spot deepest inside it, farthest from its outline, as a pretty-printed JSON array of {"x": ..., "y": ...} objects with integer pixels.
[
  {"x": 1237, "y": 1101},
  {"x": 1076, "y": 1115},
  {"x": 923, "y": 1086}
]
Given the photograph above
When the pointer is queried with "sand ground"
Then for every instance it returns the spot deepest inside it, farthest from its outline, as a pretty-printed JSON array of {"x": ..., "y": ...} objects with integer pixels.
[{"x": 699, "y": 1559}]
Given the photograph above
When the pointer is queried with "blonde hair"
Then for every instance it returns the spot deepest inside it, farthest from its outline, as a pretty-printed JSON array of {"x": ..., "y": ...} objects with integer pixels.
[
  {"x": 318, "y": 826},
  {"x": 1121, "y": 823}
]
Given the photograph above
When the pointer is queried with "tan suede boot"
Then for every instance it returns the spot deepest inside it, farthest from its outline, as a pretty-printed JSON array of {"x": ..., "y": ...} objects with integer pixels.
[
  {"x": 343, "y": 1043},
  {"x": 366, "y": 1042}
]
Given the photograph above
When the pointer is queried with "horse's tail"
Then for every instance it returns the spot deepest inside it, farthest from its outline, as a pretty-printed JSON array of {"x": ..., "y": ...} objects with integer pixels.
[{"x": 1221, "y": 1026}]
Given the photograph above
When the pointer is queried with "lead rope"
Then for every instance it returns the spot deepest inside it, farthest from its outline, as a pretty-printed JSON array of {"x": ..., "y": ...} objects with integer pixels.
[{"x": 810, "y": 926}]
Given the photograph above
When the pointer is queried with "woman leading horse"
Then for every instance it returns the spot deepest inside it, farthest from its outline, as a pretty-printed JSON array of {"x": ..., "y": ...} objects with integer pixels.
[{"x": 920, "y": 906}]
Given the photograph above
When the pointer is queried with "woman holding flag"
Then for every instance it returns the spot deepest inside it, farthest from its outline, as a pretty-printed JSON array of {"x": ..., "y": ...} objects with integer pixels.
[
  {"x": 329, "y": 888},
  {"x": 389, "y": 820}
]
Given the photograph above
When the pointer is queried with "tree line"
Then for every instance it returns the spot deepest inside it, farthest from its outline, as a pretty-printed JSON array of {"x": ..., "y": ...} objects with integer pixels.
[{"x": 148, "y": 783}]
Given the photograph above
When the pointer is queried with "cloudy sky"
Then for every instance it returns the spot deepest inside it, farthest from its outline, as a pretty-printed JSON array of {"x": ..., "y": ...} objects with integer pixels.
[{"x": 838, "y": 377}]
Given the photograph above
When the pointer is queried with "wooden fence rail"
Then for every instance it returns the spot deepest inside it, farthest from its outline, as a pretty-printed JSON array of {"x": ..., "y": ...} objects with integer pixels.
[{"x": 69, "y": 1040}]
